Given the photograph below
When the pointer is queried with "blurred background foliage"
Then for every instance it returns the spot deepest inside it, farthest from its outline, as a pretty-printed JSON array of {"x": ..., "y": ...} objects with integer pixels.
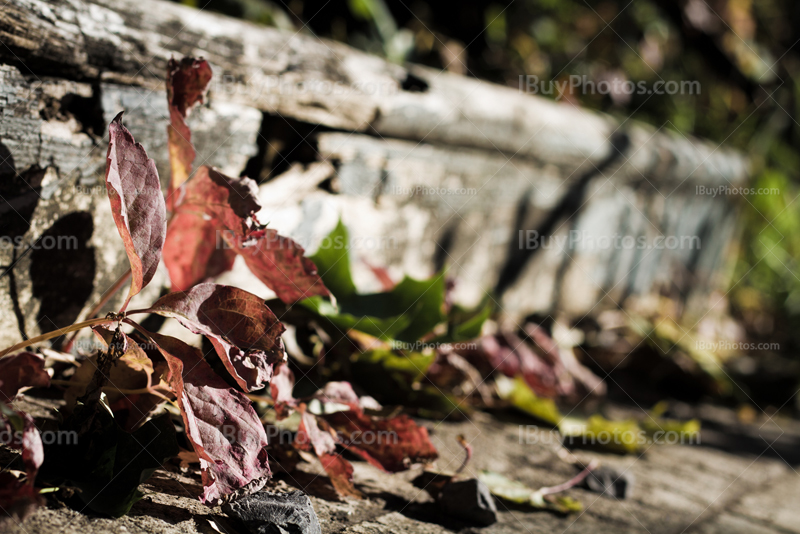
[{"x": 741, "y": 52}]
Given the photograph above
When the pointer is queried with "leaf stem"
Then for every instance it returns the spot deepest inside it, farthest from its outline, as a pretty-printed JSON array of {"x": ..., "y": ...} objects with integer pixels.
[
  {"x": 102, "y": 302},
  {"x": 56, "y": 333}
]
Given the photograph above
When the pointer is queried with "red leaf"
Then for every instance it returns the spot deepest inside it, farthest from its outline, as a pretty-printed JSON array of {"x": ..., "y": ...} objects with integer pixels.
[
  {"x": 323, "y": 443},
  {"x": 207, "y": 205},
  {"x": 221, "y": 206},
  {"x": 21, "y": 370},
  {"x": 391, "y": 444},
  {"x": 281, "y": 387},
  {"x": 136, "y": 204},
  {"x": 340, "y": 471},
  {"x": 192, "y": 253},
  {"x": 280, "y": 263},
  {"x": 187, "y": 82},
  {"x": 230, "y": 201},
  {"x": 221, "y": 425},
  {"x": 18, "y": 499},
  {"x": 244, "y": 332}
]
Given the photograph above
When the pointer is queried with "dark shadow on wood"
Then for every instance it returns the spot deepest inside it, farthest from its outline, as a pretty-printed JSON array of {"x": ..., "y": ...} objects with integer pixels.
[{"x": 518, "y": 256}]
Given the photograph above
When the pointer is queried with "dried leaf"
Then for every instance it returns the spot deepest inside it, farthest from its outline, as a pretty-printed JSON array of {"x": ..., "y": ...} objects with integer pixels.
[
  {"x": 21, "y": 370},
  {"x": 281, "y": 387},
  {"x": 221, "y": 425},
  {"x": 193, "y": 251},
  {"x": 244, "y": 332},
  {"x": 219, "y": 209},
  {"x": 516, "y": 492},
  {"x": 392, "y": 444},
  {"x": 136, "y": 204},
  {"x": 323, "y": 443},
  {"x": 19, "y": 499},
  {"x": 280, "y": 263},
  {"x": 187, "y": 82}
]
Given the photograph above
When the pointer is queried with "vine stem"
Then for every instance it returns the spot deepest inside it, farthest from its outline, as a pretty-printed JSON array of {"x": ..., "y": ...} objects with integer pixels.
[
  {"x": 57, "y": 333},
  {"x": 97, "y": 307}
]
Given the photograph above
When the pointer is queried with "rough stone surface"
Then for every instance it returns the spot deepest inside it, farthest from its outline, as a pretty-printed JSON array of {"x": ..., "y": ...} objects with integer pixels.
[
  {"x": 680, "y": 489},
  {"x": 275, "y": 513}
]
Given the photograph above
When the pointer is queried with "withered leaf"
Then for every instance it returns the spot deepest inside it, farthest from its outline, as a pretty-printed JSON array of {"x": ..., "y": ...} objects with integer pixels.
[
  {"x": 136, "y": 204},
  {"x": 187, "y": 82},
  {"x": 392, "y": 444},
  {"x": 214, "y": 219},
  {"x": 243, "y": 330},
  {"x": 221, "y": 424},
  {"x": 21, "y": 370},
  {"x": 281, "y": 387},
  {"x": 323, "y": 443},
  {"x": 19, "y": 499}
]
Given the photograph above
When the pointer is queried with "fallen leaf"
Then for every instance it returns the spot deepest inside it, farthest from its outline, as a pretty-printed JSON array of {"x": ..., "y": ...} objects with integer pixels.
[
  {"x": 281, "y": 387},
  {"x": 323, "y": 443},
  {"x": 24, "y": 369},
  {"x": 392, "y": 444},
  {"x": 137, "y": 204},
  {"x": 19, "y": 499}
]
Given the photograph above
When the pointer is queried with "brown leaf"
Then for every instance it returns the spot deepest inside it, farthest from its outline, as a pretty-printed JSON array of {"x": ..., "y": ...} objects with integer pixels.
[
  {"x": 136, "y": 204},
  {"x": 280, "y": 263},
  {"x": 391, "y": 444},
  {"x": 134, "y": 370},
  {"x": 323, "y": 443},
  {"x": 219, "y": 209},
  {"x": 187, "y": 82},
  {"x": 281, "y": 387},
  {"x": 192, "y": 251},
  {"x": 243, "y": 330},
  {"x": 221, "y": 425},
  {"x": 21, "y": 370}
]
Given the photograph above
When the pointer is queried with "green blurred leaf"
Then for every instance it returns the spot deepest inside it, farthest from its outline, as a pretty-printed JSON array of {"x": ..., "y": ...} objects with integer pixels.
[
  {"x": 522, "y": 397},
  {"x": 406, "y": 313},
  {"x": 333, "y": 262},
  {"x": 517, "y": 492}
]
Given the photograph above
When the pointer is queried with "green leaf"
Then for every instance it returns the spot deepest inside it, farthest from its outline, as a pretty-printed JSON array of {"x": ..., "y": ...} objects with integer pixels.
[
  {"x": 406, "y": 313},
  {"x": 522, "y": 397},
  {"x": 382, "y": 328},
  {"x": 517, "y": 492},
  {"x": 333, "y": 262},
  {"x": 464, "y": 324}
]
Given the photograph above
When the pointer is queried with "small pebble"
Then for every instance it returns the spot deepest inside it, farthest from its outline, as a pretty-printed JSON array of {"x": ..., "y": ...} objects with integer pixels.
[{"x": 275, "y": 513}]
